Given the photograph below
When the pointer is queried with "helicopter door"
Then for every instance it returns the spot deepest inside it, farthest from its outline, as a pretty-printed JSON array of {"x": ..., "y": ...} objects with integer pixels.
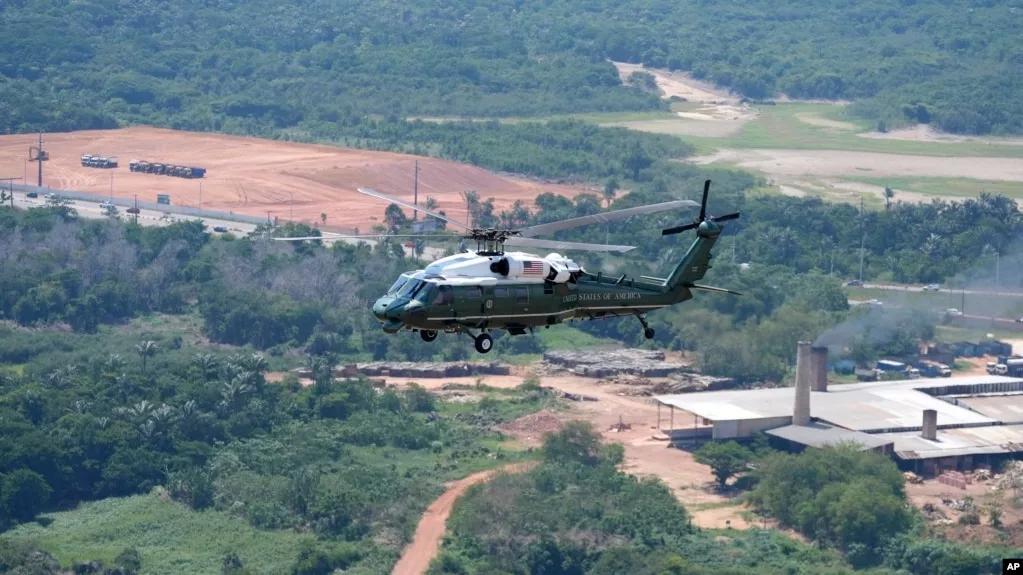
[{"x": 444, "y": 301}]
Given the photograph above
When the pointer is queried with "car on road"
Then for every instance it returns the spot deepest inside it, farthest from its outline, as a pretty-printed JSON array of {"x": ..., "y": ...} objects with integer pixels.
[
  {"x": 953, "y": 311},
  {"x": 105, "y": 205},
  {"x": 932, "y": 287},
  {"x": 50, "y": 196},
  {"x": 874, "y": 302},
  {"x": 132, "y": 210},
  {"x": 1019, "y": 319},
  {"x": 32, "y": 195},
  {"x": 220, "y": 229},
  {"x": 854, "y": 283}
]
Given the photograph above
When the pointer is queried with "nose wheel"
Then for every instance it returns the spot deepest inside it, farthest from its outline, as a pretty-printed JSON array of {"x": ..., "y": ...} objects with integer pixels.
[
  {"x": 484, "y": 342},
  {"x": 428, "y": 335}
]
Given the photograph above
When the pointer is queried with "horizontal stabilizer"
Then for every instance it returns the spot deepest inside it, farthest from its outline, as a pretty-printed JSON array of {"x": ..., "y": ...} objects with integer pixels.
[{"x": 714, "y": 289}]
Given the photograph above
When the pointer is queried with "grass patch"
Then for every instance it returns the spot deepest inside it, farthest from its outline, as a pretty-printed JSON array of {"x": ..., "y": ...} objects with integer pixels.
[
  {"x": 956, "y": 333},
  {"x": 956, "y": 187},
  {"x": 780, "y": 127},
  {"x": 171, "y": 538},
  {"x": 567, "y": 337}
]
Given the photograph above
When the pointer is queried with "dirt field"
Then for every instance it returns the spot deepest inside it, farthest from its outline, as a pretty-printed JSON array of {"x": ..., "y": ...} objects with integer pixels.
[
  {"x": 833, "y": 163},
  {"x": 719, "y": 114},
  {"x": 933, "y": 493},
  {"x": 253, "y": 176},
  {"x": 691, "y": 482},
  {"x": 815, "y": 120},
  {"x": 925, "y": 133}
]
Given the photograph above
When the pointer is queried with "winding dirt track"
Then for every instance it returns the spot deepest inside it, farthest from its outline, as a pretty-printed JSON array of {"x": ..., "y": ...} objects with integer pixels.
[{"x": 415, "y": 559}]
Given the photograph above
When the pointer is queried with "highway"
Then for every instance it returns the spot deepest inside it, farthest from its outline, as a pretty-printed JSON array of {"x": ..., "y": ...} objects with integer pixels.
[
  {"x": 941, "y": 290},
  {"x": 1005, "y": 322},
  {"x": 148, "y": 218}
]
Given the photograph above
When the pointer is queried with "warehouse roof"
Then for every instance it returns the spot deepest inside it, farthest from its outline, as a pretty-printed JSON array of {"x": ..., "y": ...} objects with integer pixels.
[
  {"x": 1007, "y": 408},
  {"x": 955, "y": 442},
  {"x": 819, "y": 435},
  {"x": 875, "y": 406}
]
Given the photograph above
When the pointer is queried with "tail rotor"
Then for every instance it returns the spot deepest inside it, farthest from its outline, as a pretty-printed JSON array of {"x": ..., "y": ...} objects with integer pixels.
[{"x": 703, "y": 216}]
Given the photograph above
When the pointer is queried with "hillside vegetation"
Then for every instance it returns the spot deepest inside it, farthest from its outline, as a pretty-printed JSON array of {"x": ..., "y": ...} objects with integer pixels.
[{"x": 260, "y": 65}]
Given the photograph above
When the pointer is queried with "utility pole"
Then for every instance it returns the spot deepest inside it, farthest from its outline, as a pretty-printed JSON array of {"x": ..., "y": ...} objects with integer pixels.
[
  {"x": 40, "y": 157},
  {"x": 136, "y": 214},
  {"x": 200, "y": 194},
  {"x": 415, "y": 213},
  {"x": 291, "y": 216},
  {"x": 998, "y": 282},
  {"x": 111, "y": 186},
  {"x": 863, "y": 239}
]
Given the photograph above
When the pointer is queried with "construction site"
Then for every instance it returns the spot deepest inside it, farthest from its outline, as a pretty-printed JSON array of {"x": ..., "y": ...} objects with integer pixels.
[
  {"x": 313, "y": 184},
  {"x": 928, "y": 425}
]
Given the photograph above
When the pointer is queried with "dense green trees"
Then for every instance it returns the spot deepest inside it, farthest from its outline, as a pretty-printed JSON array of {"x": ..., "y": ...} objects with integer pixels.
[{"x": 257, "y": 67}]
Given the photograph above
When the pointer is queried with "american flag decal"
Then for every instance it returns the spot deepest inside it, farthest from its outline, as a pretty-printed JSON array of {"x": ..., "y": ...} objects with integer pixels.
[{"x": 532, "y": 268}]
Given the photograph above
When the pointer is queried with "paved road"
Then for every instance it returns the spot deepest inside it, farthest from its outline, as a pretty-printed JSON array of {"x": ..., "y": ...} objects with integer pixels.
[
  {"x": 1005, "y": 321},
  {"x": 92, "y": 210},
  {"x": 893, "y": 287}
]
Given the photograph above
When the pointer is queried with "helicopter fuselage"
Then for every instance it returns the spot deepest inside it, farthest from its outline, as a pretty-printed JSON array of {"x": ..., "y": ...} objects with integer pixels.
[{"x": 515, "y": 292}]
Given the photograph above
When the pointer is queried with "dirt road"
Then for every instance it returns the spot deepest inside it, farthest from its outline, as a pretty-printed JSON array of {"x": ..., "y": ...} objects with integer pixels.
[
  {"x": 415, "y": 559},
  {"x": 646, "y": 450}
]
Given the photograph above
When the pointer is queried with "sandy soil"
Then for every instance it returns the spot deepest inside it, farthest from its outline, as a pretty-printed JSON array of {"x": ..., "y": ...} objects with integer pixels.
[
  {"x": 646, "y": 450},
  {"x": 825, "y": 163},
  {"x": 678, "y": 84},
  {"x": 925, "y": 133},
  {"x": 933, "y": 492},
  {"x": 415, "y": 559},
  {"x": 719, "y": 116},
  {"x": 252, "y": 176}
]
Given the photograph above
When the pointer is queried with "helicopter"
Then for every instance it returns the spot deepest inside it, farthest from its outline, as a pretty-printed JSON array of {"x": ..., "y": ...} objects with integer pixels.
[{"x": 490, "y": 289}]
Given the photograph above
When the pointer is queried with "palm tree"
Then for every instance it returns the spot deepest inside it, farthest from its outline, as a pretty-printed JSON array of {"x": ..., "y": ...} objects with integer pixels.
[
  {"x": 610, "y": 190},
  {"x": 472, "y": 203},
  {"x": 431, "y": 203},
  {"x": 146, "y": 350},
  {"x": 206, "y": 364}
]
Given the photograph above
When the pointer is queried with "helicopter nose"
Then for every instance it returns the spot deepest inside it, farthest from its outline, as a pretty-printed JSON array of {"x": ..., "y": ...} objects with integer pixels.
[{"x": 380, "y": 309}]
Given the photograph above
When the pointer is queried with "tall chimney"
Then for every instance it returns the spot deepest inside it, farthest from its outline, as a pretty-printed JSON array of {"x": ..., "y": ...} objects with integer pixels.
[
  {"x": 801, "y": 410},
  {"x": 819, "y": 368},
  {"x": 930, "y": 426}
]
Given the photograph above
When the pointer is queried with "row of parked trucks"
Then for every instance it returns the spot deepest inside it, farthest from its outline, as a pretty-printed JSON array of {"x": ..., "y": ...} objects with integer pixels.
[
  {"x": 142, "y": 166},
  {"x": 889, "y": 370},
  {"x": 166, "y": 169},
  {"x": 89, "y": 161},
  {"x": 1011, "y": 366}
]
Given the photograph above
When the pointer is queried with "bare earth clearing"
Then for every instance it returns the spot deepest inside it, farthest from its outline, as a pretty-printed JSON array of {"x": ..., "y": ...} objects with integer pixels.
[
  {"x": 719, "y": 114},
  {"x": 925, "y": 133},
  {"x": 253, "y": 176},
  {"x": 799, "y": 171}
]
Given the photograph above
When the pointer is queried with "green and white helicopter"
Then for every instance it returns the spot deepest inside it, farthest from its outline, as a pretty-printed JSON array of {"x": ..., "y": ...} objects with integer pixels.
[{"x": 491, "y": 289}]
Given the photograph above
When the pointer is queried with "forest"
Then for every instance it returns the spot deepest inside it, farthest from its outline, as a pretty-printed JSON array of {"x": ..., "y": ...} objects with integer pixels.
[
  {"x": 260, "y": 67},
  {"x": 288, "y": 298}
]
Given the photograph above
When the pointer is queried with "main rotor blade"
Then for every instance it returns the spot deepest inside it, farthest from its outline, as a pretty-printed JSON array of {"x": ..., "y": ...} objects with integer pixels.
[
  {"x": 364, "y": 237},
  {"x": 726, "y": 217},
  {"x": 714, "y": 289},
  {"x": 603, "y": 217},
  {"x": 376, "y": 194},
  {"x": 559, "y": 245},
  {"x": 703, "y": 206}
]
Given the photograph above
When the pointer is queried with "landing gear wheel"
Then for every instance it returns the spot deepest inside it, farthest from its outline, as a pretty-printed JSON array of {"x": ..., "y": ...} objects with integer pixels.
[
  {"x": 428, "y": 335},
  {"x": 484, "y": 342},
  {"x": 649, "y": 333}
]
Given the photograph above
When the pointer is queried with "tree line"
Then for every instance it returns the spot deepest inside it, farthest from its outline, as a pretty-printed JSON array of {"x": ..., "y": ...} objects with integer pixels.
[{"x": 264, "y": 67}]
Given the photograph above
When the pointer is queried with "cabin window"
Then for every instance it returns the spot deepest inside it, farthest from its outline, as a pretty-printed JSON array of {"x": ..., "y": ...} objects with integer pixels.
[
  {"x": 548, "y": 289},
  {"x": 474, "y": 292},
  {"x": 444, "y": 296},
  {"x": 397, "y": 285},
  {"x": 500, "y": 292},
  {"x": 522, "y": 294}
]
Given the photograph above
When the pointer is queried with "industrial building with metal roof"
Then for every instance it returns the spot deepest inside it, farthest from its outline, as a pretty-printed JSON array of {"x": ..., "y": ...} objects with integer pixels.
[{"x": 929, "y": 423}]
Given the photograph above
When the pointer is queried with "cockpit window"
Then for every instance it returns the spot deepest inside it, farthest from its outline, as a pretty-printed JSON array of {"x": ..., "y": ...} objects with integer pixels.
[
  {"x": 409, "y": 289},
  {"x": 397, "y": 285}
]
